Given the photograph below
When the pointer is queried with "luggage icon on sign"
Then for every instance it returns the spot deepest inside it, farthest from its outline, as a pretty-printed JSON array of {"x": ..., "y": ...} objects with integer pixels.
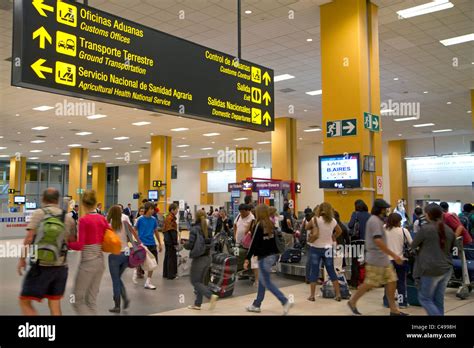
[
  {"x": 65, "y": 74},
  {"x": 66, "y": 14}
]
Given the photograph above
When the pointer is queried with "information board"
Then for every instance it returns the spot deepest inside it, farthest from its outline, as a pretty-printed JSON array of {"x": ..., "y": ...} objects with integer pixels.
[{"x": 76, "y": 50}]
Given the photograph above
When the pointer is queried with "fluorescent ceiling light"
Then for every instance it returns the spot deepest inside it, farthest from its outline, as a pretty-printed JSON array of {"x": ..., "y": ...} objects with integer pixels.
[
  {"x": 309, "y": 40},
  {"x": 40, "y": 128},
  {"x": 469, "y": 111},
  {"x": 96, "y": 156},
  {"x": 74, "y": 145},
  {"x": 1, "y": 136},
  {"x": 119, "y": 158},
  {"x": 105, "y": 148},
  {"x": 211, "y": 134},
  {"x": 95, "y": 117},
  {"x": 183, "y": 156},
  {"x": 144, "y": 160},
  {"x": 248, "y": 12},
  {"x": 3, "y": 148},
  {"x": 458, "y": 40},
  {"x": 36, "y": 142},
  {"x": 62, "y": 160},
  {"x": 423, "y": 125},
  {"x": 312, "y": 130},
  {"x": 121, "y": 138},
  {"x": 425, "y": 92},
  {"x": 241, "y": 139},
  {"x": 264, "y": 142},
  {"x": 135, "y": 151},
  {"x": 405, "y": 119},
  {"x": 449, "y": 103},
  {"x": 433, "y": 6},
  {"x": 318, "y": 92},
  {"x": 83, "y": 133},
  {"x": 148, "y": 142},
  {"x": 141, "y": 123},
  {"x": 43, "y": 108},
  {"x": 182, "y": 129},
  {"x": 206, "y": 148},
  {"x": 283, "y": 77},
  {"x": 65, "y": 154},
  {"x": 36, "y": 151},
  {"x": 30, "y": 158},
  {"x": 183, "y": 145},
  {"x": 442, "y": 130}
]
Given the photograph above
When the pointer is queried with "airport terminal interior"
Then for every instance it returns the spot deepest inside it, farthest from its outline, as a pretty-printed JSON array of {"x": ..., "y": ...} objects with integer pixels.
[{"x": 211, "y": 112}]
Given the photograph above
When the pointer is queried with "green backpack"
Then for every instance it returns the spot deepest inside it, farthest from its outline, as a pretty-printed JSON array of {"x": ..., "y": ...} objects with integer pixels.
[{"x": 50, "y": 238}]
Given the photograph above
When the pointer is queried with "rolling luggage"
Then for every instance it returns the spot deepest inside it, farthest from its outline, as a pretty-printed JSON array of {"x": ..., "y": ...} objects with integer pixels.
[
  {"x": 291, "y": 255},
  {"x": 223, "y": 274},
  {"x": 412, "y": 292},
  {"x": 327, "y": 290}
]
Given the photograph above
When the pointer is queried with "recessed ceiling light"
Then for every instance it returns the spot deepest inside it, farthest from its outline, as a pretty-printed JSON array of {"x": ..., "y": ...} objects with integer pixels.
[
  {"x": 74, "y": 145},
  {"x": 211, "y": 134},
  {"x": 264, "y": 142},
  {"x": 95, "y": 117},
  {"x": 183, "y": 156},
  {"x": 18, "y": 133},
  {"x": 458, "y": 40},
  {"x": 206, "y": 148},
  {"x": 317, "y": 92},
  {"x": 3, "y": 148},
  {"x": 248, "y": 12},
  {"x": 40, "y": 128},
  {"x": 425, "y": 92},
  {"x": 213, "y": 142},
  {"x": 37, "y": 141},
  {"x": 152, "y": 133},
  {"x": 135, "y": 151},
  {"x": 43, "y": 108},
  {"x": 400, "y": 135},
  {"x": 69, "y": 122},
  {"x": 182, "y": 129},
  {"x": 36, "y": 151},
  {"x": 283, "y": 77},
  {"x": 119, "y": 158},
  {"x": 30, "y": 158},
  {"x": 395, "y": 79},
  {"x": 309, "y": 40},
  {"x": 469, "y": 111},
  {"x": 62, "y": 160},
  {"x": 144, "y": 160},
  {"x": 241, "y": 139},
  {"x": 105, "y": 148},
  {"x": 442, "y": 130},
  {"x": 405, "y": 119},
  {"x": 300, "y": 138},
  {"x": 433, "y": 6},
  {"x": 141, "y": 123},
  {"x": 312, "y": 130},
  {"x": 305, "y": 110},
  {"x": 121, "y": 138},
  {"x": 1, "y": 136},
  {"x": 148, "y": 142},
  {"x": 96, "y": 156},
  {"x": 183, "y": 145},
  {"x": 65, "y": 154},
  {"x": 17, "y": 115},
  {"x": 423, "y": 125},
  {"x": 449, "y": 103},
  {"x": 84, "y": 133}
]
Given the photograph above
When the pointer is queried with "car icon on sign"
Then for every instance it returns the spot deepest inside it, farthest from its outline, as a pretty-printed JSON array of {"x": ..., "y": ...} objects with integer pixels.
[{"x": 68, "y": 45}]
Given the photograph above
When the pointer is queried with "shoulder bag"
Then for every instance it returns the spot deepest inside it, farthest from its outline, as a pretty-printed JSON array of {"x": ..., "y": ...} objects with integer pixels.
[
  {"x": 314, "y": 231},
  {"x": 137, "y": 253}
]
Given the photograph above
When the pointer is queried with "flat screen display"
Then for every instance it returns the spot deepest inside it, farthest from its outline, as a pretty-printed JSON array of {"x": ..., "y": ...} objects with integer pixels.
[
  {"x": 339, "y": 171},
  {"x": 19, "y": 199},
  {"x": 235, "y": 194},
  {"x": 30, "y": 205},
  {"x": 264, "y": 193},
  {"x": 152, "y": 195}
]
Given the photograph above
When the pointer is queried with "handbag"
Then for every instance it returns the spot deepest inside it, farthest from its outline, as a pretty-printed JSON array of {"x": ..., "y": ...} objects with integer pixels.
[
  {"x": 150, "y": 263},
  {"x": 314, "y": 235},
  {"x": 137, "y": 253},
  {"x": 247, "y": 240},
  {"x": 111, "y": 243},
  {"x": 407, "y": 251}
]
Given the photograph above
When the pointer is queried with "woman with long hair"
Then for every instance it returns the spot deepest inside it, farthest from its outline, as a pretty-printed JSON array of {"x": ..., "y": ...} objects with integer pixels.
[
  {"x": 200, "y": 244},
  {"x": 433, "y": 263},
  {"x": 324, "y": 226},
  {"x": 264, "y": 247},
  {"x": 119, "y": 263}
]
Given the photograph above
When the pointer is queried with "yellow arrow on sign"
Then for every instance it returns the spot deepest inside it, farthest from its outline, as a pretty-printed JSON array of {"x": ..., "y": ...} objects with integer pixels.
[
  {"x": 266, "y": 97},
  {"x": 43, "y": 36},
  {"x": 40, "y": 7},
  {"x": 39, "y": 69},
  {"x": 267, "y": 118},
  {"x": 267, "y": 78}
]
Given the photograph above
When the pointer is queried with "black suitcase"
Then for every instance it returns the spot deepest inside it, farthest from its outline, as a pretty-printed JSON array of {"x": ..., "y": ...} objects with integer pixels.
[
  {"x": 223, "y": 274},
  {"x": 291, "y": 255}
]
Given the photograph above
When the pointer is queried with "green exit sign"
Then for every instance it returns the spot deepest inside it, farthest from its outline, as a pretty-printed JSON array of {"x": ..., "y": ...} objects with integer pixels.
[
  {"x": 80, "y": 191},
  {"x": 371, "y": 122}
]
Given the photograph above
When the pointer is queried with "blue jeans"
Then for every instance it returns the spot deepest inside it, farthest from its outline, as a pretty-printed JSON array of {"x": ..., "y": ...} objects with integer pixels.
[
  {"x": 264, "y": 282},
  {"x": 402, "y": 271},
  {"x": 117, "y": 265},
  {"x": 317, "y": 255},
  {"x": 199, "y": 268},
  {"x": 431, "y": 293}
]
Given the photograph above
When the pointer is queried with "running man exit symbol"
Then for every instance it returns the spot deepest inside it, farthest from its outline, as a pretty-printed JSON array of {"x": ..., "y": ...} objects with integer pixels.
[{"x": 341, "y": 128}]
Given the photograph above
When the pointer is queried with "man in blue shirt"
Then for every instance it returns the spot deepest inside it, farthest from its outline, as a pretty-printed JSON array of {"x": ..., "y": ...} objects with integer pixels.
[{"x": 147, "y": 229}]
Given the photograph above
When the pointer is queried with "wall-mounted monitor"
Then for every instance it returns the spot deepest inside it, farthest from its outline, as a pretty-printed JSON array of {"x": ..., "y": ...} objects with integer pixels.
[
  {"x": 264, "y": 193},
  {"x": 30, "y": 205},
  {"x": 339, "y": 171},
  {"x": 136, "y": 196},
  {"x": 19, "y": 199},
  {"x": 152, "y": 195},
  {"x": 235, "y": 194}
]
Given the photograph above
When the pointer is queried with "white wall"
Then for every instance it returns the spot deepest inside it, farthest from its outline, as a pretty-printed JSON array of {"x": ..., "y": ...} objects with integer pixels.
[
  {"x": 128, "y": 185},
  {"x": 187, "y": 186},
  {"x": 308, "y": 176}
]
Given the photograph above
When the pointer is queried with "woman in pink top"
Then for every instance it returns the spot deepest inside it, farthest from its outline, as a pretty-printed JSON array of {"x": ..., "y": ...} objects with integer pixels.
[{"x": 91, "y": 231}]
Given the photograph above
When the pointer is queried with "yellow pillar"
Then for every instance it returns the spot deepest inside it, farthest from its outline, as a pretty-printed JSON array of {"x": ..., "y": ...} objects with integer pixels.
[
  {"x": 77, "y": 173},
  {"x": 398, "y": 171},
  {"x": 351, "y": 86},
  {"x": 160, "y": 167},
  {"x": 99, "y": 182},
  {"x": 243, "y": 164},
  {"x": 206, "y": 197},
  {"x": 284, "y": 159},
  {"x": 17, "y": 178},
  {"x": 143, "y": 182}
]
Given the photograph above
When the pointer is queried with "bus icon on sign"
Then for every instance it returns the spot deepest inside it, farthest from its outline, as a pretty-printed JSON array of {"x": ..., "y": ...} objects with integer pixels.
[{"x": 65, "y": 43}]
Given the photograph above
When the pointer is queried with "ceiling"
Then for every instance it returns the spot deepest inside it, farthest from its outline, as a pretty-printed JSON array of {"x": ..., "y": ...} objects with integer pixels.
[{"x": 409, "y": 51}]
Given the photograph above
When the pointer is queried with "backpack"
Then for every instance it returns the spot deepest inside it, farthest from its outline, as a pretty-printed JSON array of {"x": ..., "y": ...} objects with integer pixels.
[
  {"x": 465, "y": 221},
  {"x": 50, "y": 238}
]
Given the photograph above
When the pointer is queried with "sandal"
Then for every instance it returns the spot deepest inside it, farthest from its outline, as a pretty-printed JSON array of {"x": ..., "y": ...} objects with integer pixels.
[{"x": 311, "y": 298}]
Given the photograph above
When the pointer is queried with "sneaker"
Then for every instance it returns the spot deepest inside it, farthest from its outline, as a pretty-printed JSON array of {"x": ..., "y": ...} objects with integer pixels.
[
  {"x": 212, "y": 302},
  {"x": 134, "y": 277},
  {"x": 353, "y": 309},
  {"x": 253, "y": 309},
  {"x": 197, "y": 308},
  {"x": 149, "y": 285},
  {"x": 286, "y": 307}
]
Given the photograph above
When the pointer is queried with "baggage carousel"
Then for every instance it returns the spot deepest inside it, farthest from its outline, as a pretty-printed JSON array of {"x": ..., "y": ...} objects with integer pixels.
[{"x": 293, "y": 269}]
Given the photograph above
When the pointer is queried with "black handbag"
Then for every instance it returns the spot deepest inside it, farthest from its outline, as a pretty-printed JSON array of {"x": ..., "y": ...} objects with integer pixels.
[{"x": 408, "y": 252}]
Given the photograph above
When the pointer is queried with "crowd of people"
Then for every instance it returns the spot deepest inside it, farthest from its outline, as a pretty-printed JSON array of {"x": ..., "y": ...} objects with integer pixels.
[{"x": 391, "y": 249}]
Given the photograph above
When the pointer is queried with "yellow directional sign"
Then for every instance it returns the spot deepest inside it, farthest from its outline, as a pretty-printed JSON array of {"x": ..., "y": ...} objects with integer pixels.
[
  {"x": 65, "y": 74},
  {"x": 66, "y": 14},
  {"x": 256, "y": 116},
  {"x": 66, "y": 43},
  {"x": 256, "y": 95},
  {"x": 39, "y": 69},
  {"x": 267, "y": 118},
  {"x": 267, "y": 98},
  {"x": 256, "y": 74},
  {"x": 40, "y": 7},
  {"x": 266, "y": 77},
  {"x": 43, "y": 37}
]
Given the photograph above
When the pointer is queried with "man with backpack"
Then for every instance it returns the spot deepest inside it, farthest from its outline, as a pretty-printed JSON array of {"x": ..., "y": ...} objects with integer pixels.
[
  {"x": 48, "y": 231},
  {"x": 452, "y": 220},
  {"x": 467, "y": 218}
]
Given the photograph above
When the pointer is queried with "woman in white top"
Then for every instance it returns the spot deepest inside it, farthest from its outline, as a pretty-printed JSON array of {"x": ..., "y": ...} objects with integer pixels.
[
  {"x": 397, "y": 236},
  {"x": 119, "y": 263},
  {"x": 323, "y": 227}
]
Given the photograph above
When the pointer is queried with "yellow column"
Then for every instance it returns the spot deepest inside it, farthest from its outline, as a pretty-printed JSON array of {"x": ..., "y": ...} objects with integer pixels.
[
  {"x": 351, "y": 86},
  {"x": 17, "y": 178},
  {"x": 99, "y": 182},
  {"x": 77, "y": 173},
  {"x": 398, "y": 171},
  {"x": 206, "y": 164},
  {"x": 243, "y": 164},
  {"x": 143, "y": 182},
  {"x": 160, "y": 167}
]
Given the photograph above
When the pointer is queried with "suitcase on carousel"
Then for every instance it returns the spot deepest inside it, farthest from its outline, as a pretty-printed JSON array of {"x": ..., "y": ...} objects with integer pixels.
[{"x": 223, "y": 274}]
